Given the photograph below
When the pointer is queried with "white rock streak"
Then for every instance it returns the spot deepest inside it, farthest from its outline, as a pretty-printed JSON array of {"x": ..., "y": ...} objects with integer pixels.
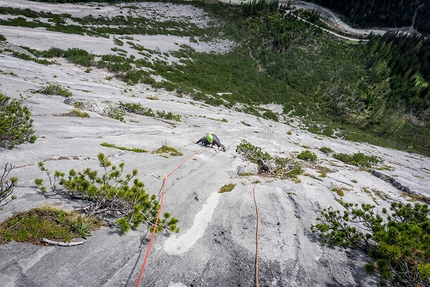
[{"x": 179, "y": 244}]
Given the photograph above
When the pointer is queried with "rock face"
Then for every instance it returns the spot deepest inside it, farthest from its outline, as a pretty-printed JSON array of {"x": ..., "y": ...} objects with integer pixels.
[
  {"x": 393, "y": 181},
  {"x": 218, "y": 243},
  {"x": 247, "y": 169}
]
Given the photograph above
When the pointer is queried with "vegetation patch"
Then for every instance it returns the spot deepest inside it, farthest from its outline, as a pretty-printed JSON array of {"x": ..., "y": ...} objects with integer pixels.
[
  {"x": 279, "y": 167},
  {"x": 138, "y": 108},
  {"x": 326, "y": 150},
  {"x": 227, "y": 188},
  {"x": 379, "y": 194},
  {"x": 398, "y": 243},
  {"x": 357, "y": 159},
  {"x": 46, "y": 222},
  {"x": 140, "y": 150},
  {"x": 16, "y": 126},
  {"x": 322, "y": 170},
  {"x": 167, "y": 150},
  {"x": 120, "y": 200},
  {"x": 75, "y": 113},
  {"x": 7, "y": 185},
  {"x": 339, "y": 190},
  {"x": 55, "y": 89},
  {"x": 114, "y": 112},
  {"x": 307, "y": 155},
  {"x": 416, "y": 197}
]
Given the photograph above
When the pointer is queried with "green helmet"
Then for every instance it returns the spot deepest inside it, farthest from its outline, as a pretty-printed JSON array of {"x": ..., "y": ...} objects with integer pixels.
[{"x": 210, "y": 138}]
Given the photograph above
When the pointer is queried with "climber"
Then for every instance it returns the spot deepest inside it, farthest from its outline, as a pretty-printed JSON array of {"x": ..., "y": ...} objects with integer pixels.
[{"x": 211, "y": 140}]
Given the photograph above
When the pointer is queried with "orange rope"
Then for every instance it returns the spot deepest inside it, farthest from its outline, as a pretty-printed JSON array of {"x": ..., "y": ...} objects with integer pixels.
[
  {"x": 159, "y": 213},
  {"x": 256, "y": 239}
]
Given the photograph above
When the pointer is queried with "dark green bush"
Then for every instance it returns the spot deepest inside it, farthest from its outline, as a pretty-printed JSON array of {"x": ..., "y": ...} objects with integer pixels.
[
  {"x": 16, "y": 126},
  {"x": 307, "y": 155},
  {"x": 137, "y": 108},
  {"x": 168, "y": 116},
  {"x": 79, "y": 56},
  {"x": 326, "y": 150},
  {"x": 270, "y": 116},
  {"x": 398, "y": 245},
  {"x": 357, "y": 159},
  {"x": 55, "y": 89}
]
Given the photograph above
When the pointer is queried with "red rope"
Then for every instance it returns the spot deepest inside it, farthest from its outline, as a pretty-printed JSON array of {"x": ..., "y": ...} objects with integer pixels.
[
  {"x": 159, "y": 213},
  {"x": 256, "y": 238}
]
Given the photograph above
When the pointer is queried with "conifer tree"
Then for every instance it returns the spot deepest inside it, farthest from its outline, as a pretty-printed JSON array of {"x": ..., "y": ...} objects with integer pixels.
[{"x": 16, "y": 126}]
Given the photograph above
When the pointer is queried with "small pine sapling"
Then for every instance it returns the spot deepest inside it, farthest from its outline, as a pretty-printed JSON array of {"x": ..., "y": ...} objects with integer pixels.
[
  {"x": 7, "y": 185},
  {"x": 110, "y": 195},
  {"x": 16, "y": 126}
]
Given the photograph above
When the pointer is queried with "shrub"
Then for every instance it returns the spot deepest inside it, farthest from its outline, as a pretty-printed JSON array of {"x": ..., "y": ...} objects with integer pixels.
[
  {"x": 168, "y": 116},
  {"x": 307, "y": 156},
  {"x": 79, "y": 113},
  {"x": 16, "y": 127},
  {"x": 277, "y": 166},
  {"x": 79, "y": 56},
  {"x": 116, "y": 113},
  {"x": 252, "y": 153},
  {"x": 328, "y": 132},
  {"x": 339, "y": 190},
  {"x": 78, "y": 105},
  {"x": 398, "y": 245},
  {"x": 137, "y": 108},
  {"x": 133, "y": 76},
  {"x": 357, "y": 159},
  {"x": 55, "y": 89},
  {"x": 118, "y": 42},
  {"x": 110, "y": 195},
  {"x": 326, "y": 150},
  {"x": 7, "y": 185},
  {"x": 271, "y": 116}
]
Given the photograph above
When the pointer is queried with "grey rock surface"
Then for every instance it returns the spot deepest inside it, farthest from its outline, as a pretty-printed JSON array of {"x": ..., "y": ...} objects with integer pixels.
[{"x": 217, "y": 242}]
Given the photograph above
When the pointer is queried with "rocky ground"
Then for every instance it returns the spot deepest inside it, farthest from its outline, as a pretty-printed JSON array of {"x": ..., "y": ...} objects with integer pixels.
[{"x": 217, "y": 242}]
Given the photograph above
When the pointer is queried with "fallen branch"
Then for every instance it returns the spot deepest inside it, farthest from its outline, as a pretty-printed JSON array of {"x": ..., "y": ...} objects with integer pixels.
[{"x": 65, "y": 244}]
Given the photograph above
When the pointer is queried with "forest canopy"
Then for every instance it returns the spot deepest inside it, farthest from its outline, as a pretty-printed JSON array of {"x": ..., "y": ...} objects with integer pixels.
[{"x": 382, "y": 13}]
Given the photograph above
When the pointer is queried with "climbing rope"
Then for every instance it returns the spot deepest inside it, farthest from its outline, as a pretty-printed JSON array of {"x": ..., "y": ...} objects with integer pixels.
[
  {"x": 256, "y": 238},
  {"x": 154, "y": 228}
]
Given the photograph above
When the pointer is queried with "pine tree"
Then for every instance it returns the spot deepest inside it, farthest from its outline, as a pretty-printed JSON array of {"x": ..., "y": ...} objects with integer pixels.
[{"x": 16, "y": 126}]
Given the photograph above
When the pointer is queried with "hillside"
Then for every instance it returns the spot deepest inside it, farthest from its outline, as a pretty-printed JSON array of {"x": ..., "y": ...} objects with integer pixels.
[
  {"x": 217, "y": 242},
  {"x": 395, "y": 14},
  {"x": 375, "y": 90}
]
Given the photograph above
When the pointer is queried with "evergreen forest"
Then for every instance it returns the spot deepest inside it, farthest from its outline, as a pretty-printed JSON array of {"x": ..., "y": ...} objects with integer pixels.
[{"x": 382, "y": 13}]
